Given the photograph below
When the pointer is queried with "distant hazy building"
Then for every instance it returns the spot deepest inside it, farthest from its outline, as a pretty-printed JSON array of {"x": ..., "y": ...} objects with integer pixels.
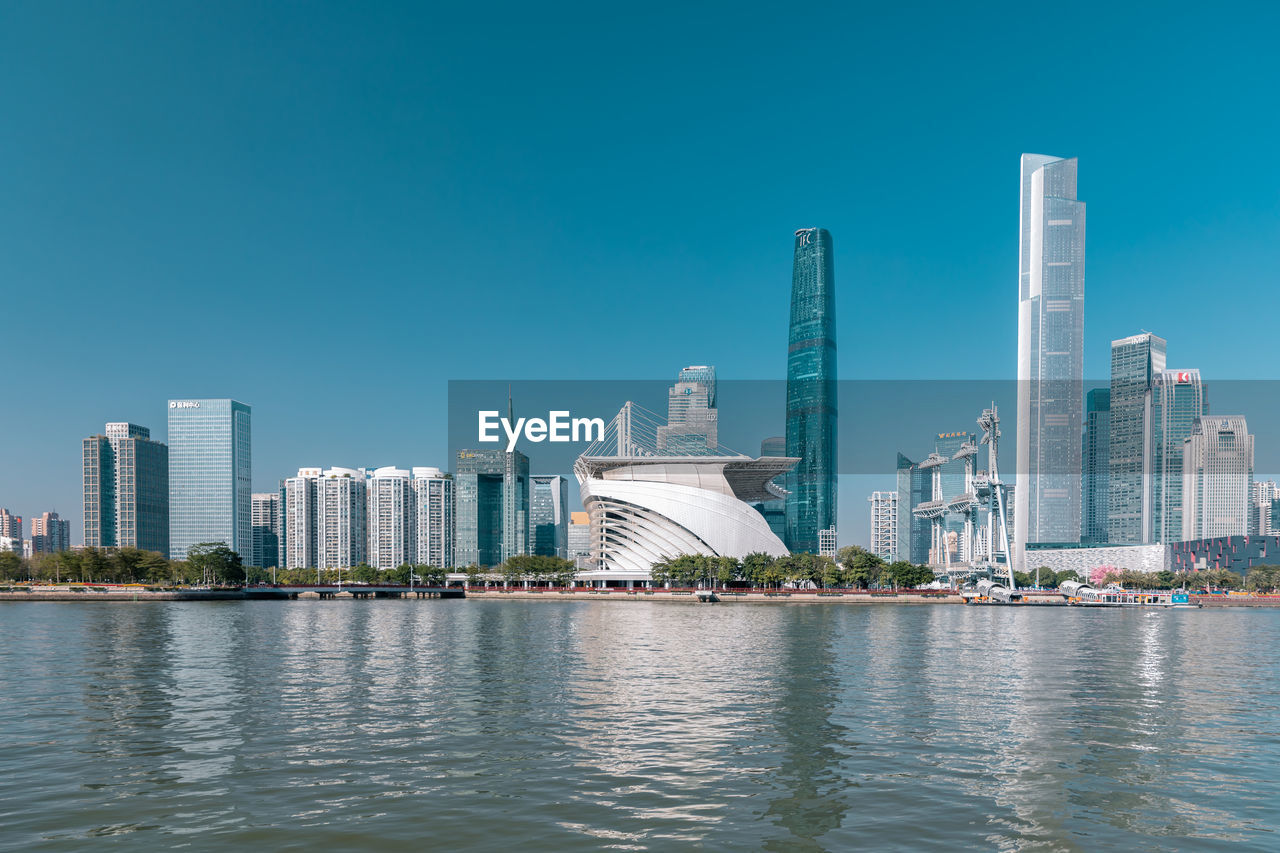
[
  {"x": 1135, "y": 362},
  {"x": 811, "y": 391},
  {"x": 1094, "y": 460},
  {"x": 1262, "y": 497},
  {"x": 914, "y": 488},
  {"x": 884, "y": 525},
  {"x": 125, "y": 476},
  {"x": 1176, "y": 399},
  {"x": 1051, "y": 259},
  {"x": 580, "y": 538},
  {"x": 549, "y": 515},
  {"x": 434, "y": 510},
  {"x": 692, "y": 425},
  {"x": 266, "y": 530},
  {"x": 1084, "y": 559},
  {"x": 299, "y": 516},
  {"x": 50, "y": 534},
  {"x": 341, "y": 521},
  {"x": 392, "y": 521},
  {"x": 492, "y": 506},
  {"x": 1217, "y": 475},
  {"x": 210, "y": 475}
]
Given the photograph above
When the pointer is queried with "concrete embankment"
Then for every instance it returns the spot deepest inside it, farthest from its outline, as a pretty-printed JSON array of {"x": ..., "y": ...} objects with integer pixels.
[{"x": 689, "y": 596}]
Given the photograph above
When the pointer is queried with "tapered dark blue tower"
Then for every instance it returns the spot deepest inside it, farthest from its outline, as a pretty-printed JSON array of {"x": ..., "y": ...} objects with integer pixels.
[{"x": 811, "y": 391}]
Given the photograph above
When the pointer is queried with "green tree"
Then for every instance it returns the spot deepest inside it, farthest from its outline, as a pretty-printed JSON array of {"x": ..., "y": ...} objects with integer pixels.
[
  {"x": 215, "y": 563},
  {"x": 754, "y": 567},
  {"x": 93, "y": 565},
  {"x": 726, "y": 570},
  {"x": 431, "y": 575},
  {"x": 154, "y": 568},
  {"x": 473, "y": 574},
  {"x": 11, "y": 566}
]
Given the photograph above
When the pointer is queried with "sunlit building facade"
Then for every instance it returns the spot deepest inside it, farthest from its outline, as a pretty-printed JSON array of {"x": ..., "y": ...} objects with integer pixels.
[
  {"x": 433, "y": 500},
  {"x": 126, "y": 489},
  {"x": 1217, "y": 477},
  {"x": 210, "y": 475}
]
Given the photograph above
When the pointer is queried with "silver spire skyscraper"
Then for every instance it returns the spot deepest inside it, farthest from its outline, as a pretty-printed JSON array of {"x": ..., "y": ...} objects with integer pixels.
[
  {"x": 811, "y": 391},
  {"x": 1050, "y": 354}
]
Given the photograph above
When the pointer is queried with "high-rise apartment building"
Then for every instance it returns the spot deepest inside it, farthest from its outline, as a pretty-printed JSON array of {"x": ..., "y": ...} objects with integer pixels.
[
  {"x": 341, "y": 520},
  {"x": 299, "y": 516},
  {"x": 1095, "y": 464},
  {"x": 692, "y": 425},
  {"x": 210, "y": 475},
  {"x": 434, "y": 508},
  {"x": 10, "y": 532},
  {"x": 1051, "y": 261},
  {"x": 884, "y": 525},
  {"x": 126, "y": 489},
  {"x": 265, "y": 514},
  {"x": 492, "y": 509},
  {"x": 1135, "y": 362},
  {"x": 392, "y": 520},
  {"x": 1217, "y": 476},
  {"x": 1263, "y": 496},
  {"x": 549, "y": 515},
  {"x": 1176, "y": 399},
  {"x": 811, "y": 391},
  {"x": 50, "y": 534}
]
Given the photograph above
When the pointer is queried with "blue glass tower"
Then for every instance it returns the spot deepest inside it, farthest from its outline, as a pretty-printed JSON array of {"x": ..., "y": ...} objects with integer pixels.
[
  {"x": 210, "y": 476},
  {"x": 811, "y": 391}
]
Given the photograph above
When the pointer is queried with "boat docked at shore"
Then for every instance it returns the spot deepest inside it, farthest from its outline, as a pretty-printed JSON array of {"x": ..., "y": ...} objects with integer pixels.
[{"x": 1113, "y": 595}]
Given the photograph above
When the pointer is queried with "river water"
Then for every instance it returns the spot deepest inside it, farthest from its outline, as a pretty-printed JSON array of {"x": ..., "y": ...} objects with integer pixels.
[{"x": 512, "y": 725}]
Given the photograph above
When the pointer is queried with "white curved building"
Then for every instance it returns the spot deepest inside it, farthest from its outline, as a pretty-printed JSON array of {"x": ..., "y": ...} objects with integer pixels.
[{"x": 646, "y": 508}]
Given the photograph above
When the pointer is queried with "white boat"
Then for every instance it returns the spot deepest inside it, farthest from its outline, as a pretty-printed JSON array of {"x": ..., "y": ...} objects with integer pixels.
[{"x": 1114, "y": 595}]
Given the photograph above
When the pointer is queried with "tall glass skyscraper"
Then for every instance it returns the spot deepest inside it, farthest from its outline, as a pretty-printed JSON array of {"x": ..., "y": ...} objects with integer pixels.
[
  {"x": 1177, "y": 401},
  {"x": 1050, "y": 354},
  {"x": 492, "y": 514},
  {"x": 210, "y": 475},
  {"x": 1135, "y": 361},
  {"x": 811, "y": 391},
  {"x": 126, "y": 489},
  {"x": 691, "y": 427},
  {"x": 549, "y": 515},
  {"x": 1095, "y": 456}
]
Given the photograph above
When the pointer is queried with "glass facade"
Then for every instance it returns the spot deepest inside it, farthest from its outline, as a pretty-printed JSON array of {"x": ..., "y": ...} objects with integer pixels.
[
  {"x": 691, "y": 427},
  {"x": 1178, "y": 398},
  {"x": 126, "y": 489},
  {"x": 1135, "y": 361},
  {"x": 266, "y": 530},
  {"x": 915, "y": 487},
  {"x": 1050, "y": 354},
  {"x": 775, "y": 512},
  {"x": 1095, "y": 453},
  {"x": 492, "y": 510},
  {"x": 1217, "y": 477},
  {"x": 210, "y": 475},
  {"x": 549, "y": 515},
  {"x": 811, "y": 391}
]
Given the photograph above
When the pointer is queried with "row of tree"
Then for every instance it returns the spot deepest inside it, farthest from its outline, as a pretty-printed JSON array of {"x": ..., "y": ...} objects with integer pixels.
[{"x": 853, "y": 567}]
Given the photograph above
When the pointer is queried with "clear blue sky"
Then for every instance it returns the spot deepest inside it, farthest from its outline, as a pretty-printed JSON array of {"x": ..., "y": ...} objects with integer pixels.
[{"x": 328, "y": 210}]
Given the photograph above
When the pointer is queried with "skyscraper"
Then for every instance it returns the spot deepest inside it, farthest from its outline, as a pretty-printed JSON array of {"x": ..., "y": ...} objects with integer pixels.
[
  {"x": 1095, "y": 456},
  {"x": 126, "y": 489},
  {"x": 1262, "y": 496},
  {"x": 811, "y": 391},
  {"x": 299, "y": 532},
  {"x": 775, "y": 511},
  {"x": 915, "y": 487},
  {"x": 392, "y": 520},
  {"x": 266, "y": 530},
  {"x": 1050, "y": 354},
  {"x": 1135, "y": 361},
  {"x": 1177, "y": 399},
  {"x": 1217, "y": 475},
  {"x": 341, "y": 522},
  {"x": 884, "y": 525},
  {"x": 50, "y": 534},
  {"x": 492, "y": 510},
  {"x": 549, "y": 515},
  {"x": 691, "y": 427},
  {"x": 210, "y": 475},
  {"x": 10, "y": 531},
  {"x": 434, "y": 509}
]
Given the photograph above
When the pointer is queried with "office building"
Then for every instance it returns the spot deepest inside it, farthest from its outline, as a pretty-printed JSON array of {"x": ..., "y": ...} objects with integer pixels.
[
  {"x": 811, "y": 391},
  {"x": 210, "y": 475},
  {"x": 1094, "y": 459},
  {"x": 691, "y": 428},
  {"x": 299, "y": 515},
  {"x": 915, "y": 486},
  {"x": 579, "y": 539},
  {"x": 1262, "y": 498},
  {"x": 126, "y": 489},
  {"x": 1217, "y": 476},
  {"x": 341, "y": 520},
  {"x": 392, "y": 519},
  {"x": 491, "y": 488},
  {"x": 1135, "y": 362},
  {"x": 775, "y": 510},
  {"x": 434, "y": 510},
  {"x": 1176, "y": 399},
  {"x": 884, "y": 525},
  {"x": 549, "y": 515},
  {"x": 265, "y": 514},
  {"x": 50, "y": 534},
  {"x": 1051, "y": 258}
]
